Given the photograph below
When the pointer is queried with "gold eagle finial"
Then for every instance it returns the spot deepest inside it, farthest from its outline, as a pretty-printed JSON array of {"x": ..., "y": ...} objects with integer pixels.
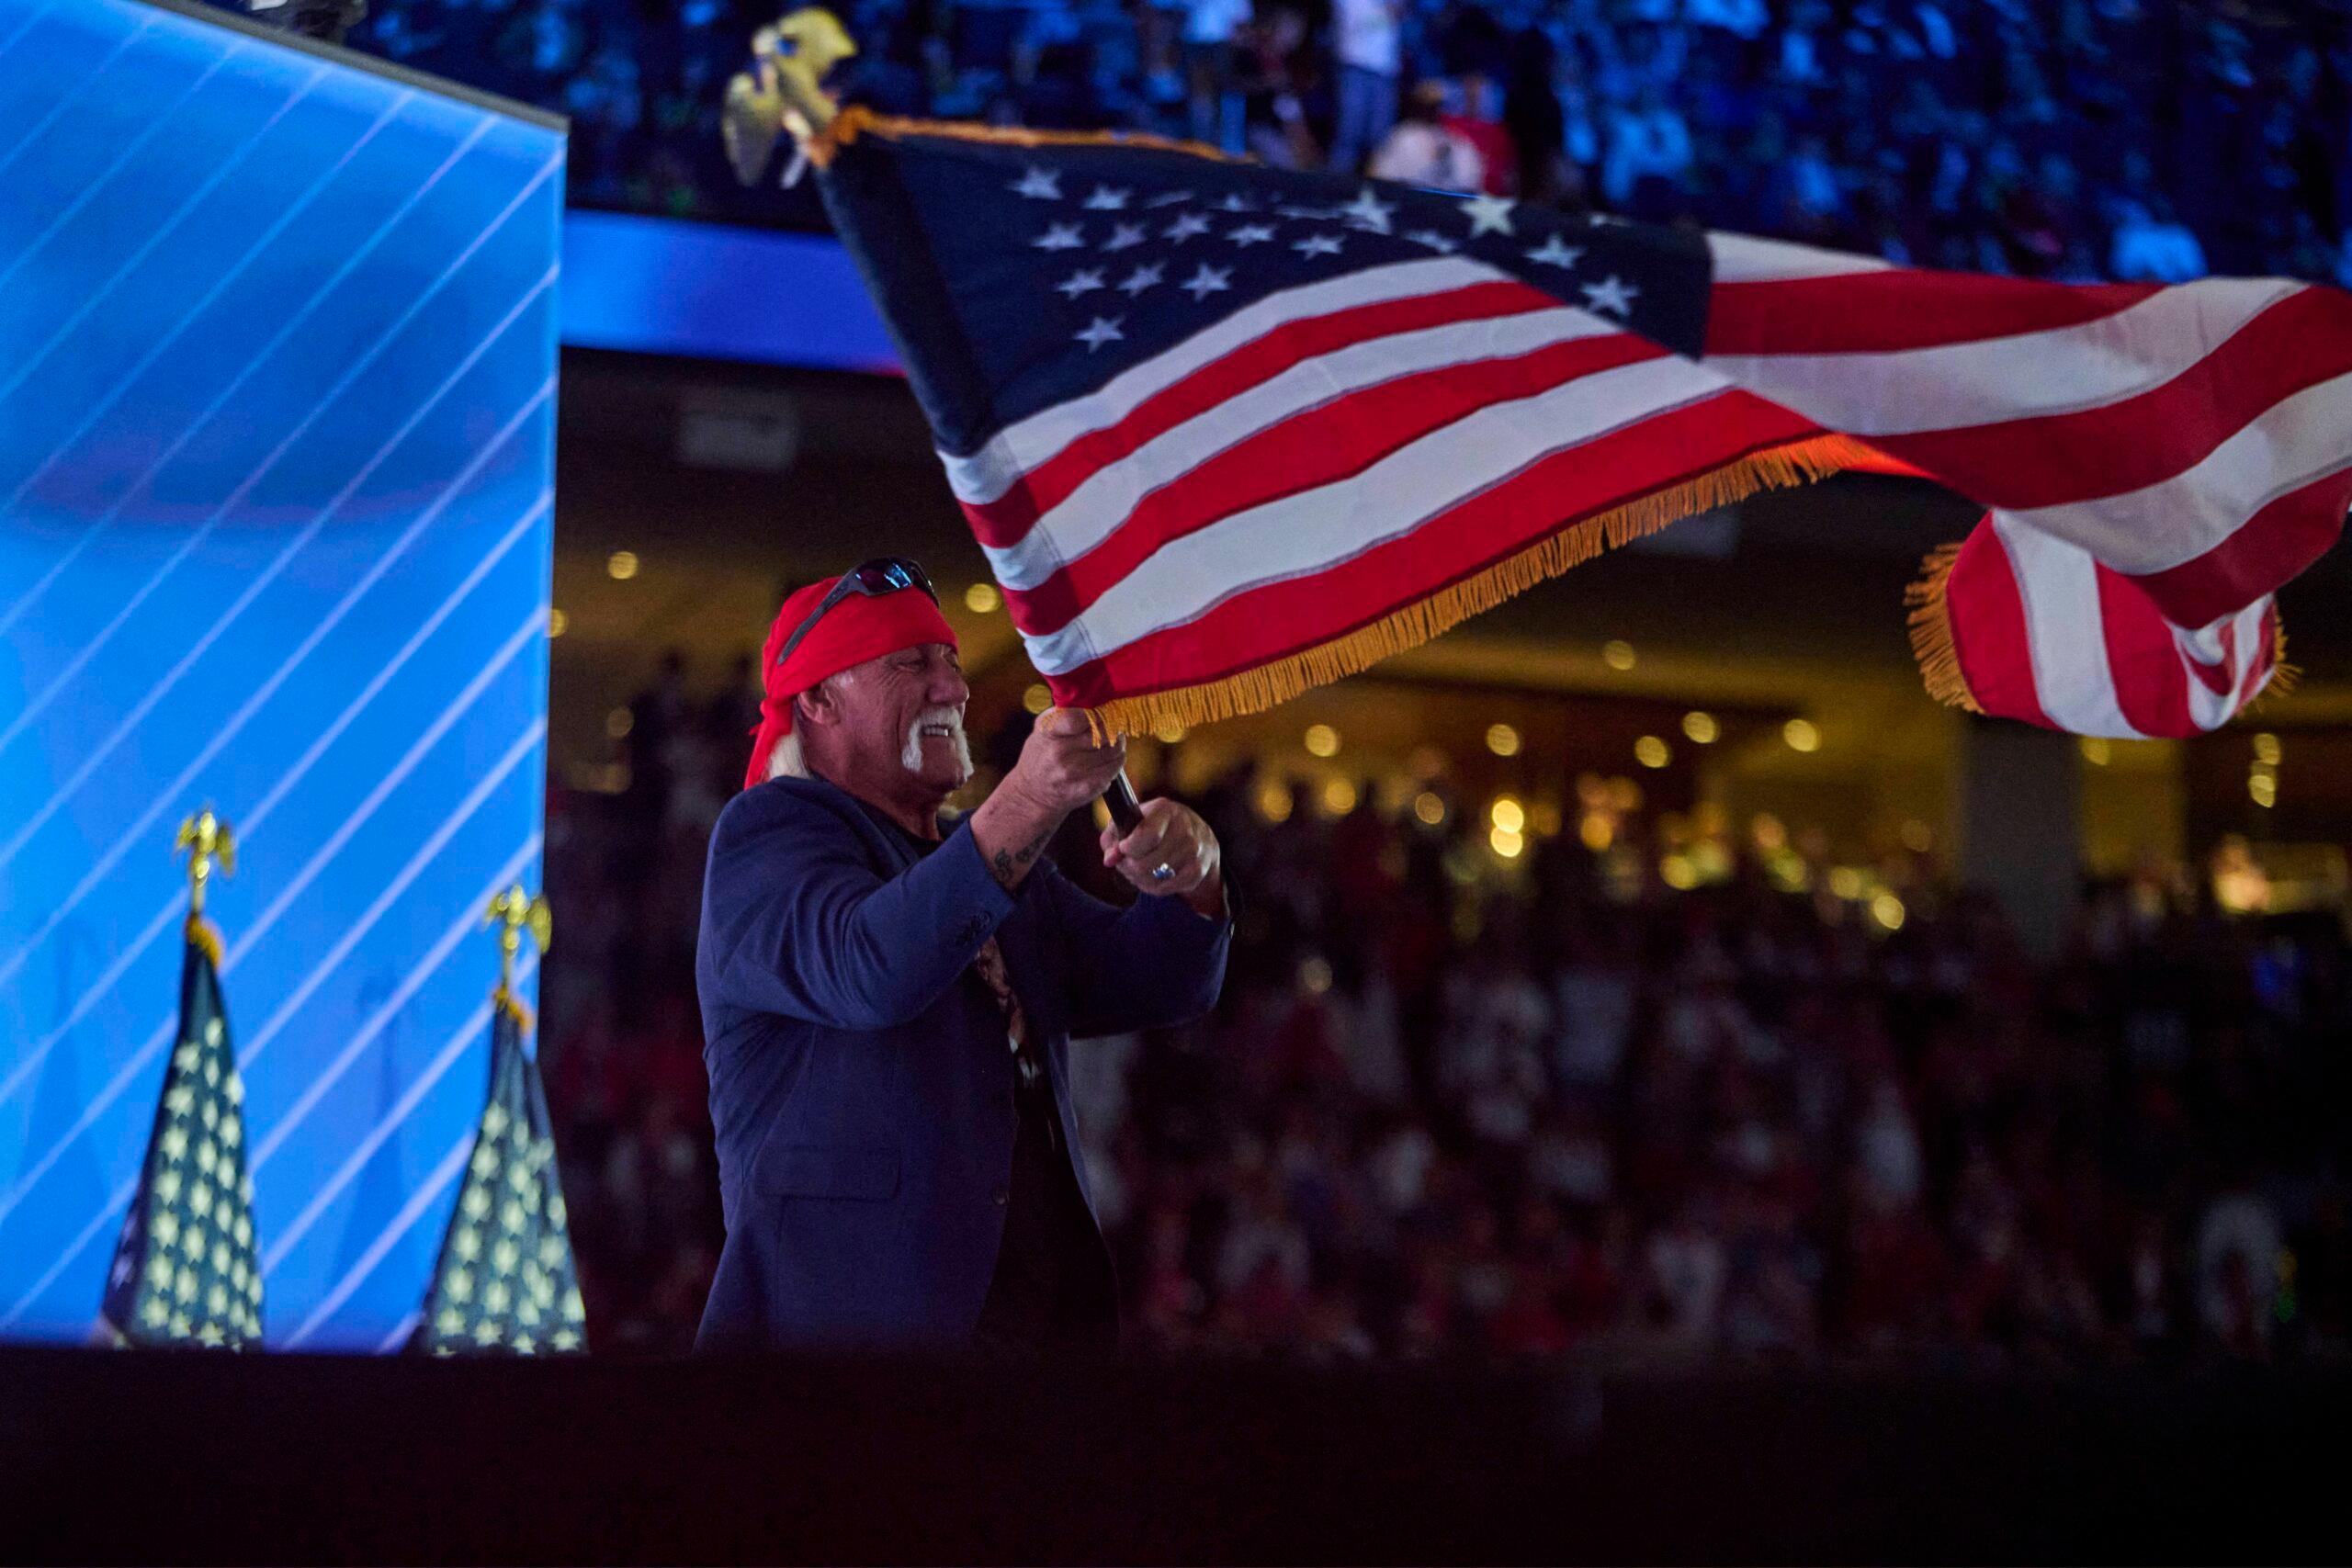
[
  {"x": 513, "y": 912},
  {"x": 211, "y": 840},
  {"x": 783, "y": 90}
]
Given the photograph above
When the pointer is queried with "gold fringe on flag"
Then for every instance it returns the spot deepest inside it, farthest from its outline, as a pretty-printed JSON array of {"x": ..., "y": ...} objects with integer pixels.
[
  {"x": 204, "y": 934},
  {"x": 857, "y": 120},
  {"x": 1254, "y": 691},
  {"x": 1931, "y": 638},
  {"x": 506, "y": 1001},
  {"x": 2283, "y": 675}
]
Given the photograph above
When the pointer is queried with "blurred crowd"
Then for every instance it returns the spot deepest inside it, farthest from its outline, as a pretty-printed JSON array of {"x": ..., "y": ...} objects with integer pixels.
[
  {"x": 1454, "y": 1105},
  {"x": 2064, "y": 138}
]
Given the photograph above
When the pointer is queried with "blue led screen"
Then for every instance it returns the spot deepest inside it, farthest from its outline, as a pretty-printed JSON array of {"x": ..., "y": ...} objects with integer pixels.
[{"x": 277, "y": 353}]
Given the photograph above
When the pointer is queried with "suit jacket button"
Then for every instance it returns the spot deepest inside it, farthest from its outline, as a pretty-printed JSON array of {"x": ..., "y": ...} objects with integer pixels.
[{"x": 1003, "y": 1196}]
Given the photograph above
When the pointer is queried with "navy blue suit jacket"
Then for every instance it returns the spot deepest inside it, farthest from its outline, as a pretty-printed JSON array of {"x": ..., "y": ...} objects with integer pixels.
[{"x": 861, "y": 1087}]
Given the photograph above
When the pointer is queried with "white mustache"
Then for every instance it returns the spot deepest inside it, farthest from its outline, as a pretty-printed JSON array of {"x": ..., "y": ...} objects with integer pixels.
[{"x": 947, "y": 718}]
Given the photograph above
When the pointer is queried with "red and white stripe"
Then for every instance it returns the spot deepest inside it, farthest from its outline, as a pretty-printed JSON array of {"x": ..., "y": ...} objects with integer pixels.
[
  {"x": 1323, "y": 458},
  {"x": 2157, "y": 461}
]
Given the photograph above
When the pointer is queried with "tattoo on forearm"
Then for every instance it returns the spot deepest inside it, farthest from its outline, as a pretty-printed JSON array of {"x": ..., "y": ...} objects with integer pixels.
[{"x": 1008, "y": 864}]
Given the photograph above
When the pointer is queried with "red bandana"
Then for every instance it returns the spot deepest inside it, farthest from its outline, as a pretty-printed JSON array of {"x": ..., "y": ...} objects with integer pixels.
[{"x": 856, "y": 630}]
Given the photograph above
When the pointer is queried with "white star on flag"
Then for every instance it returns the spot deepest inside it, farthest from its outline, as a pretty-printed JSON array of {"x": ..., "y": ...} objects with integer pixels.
[
  {"x": 1207, "y": 281},
  {"x": 1079, "y": 283},
  {"x": 1142, "y": 278},
  {"x": 1234, "y": 202},
  {"x": 1124, "y": 235},
  {"x": 1100, "y": 331},
  {"x": 1105, "y": 199},
  {"x": 1551, "y": 252},
  {"x": 1187, "y": 225},
  {"x": 1611, "y": 293},
  {"x": 1250, "y": 234},
  {"x": 1368, "y": 211},
  {"x": 1317, "y": 245},
  {"x": 1169, "y": 199},
  {"x": 1488, "y": 215},
  {"x": 1038, "y": 185},
  {"x": 1060, "y": 237},
  {"x": 1433, "y": 240}
]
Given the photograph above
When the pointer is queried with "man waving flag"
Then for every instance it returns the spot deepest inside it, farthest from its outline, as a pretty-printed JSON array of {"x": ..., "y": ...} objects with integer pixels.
[{"x": 1226, "y": 432}]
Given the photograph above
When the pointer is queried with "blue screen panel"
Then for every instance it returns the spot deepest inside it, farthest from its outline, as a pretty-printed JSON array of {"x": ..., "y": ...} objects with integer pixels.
[
  {"x": 278, "y": 339},
  {"x": 662, "y": 285}
]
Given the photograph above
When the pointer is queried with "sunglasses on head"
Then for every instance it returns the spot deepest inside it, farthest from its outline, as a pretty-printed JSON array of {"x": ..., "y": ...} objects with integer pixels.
[{"x": 883, "y": 575}]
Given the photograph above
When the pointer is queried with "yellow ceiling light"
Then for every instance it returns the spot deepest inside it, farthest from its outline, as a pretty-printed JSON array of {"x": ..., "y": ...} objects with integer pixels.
[
  {"x": 2263, "y": 789},
  {"x": 1507, "y": 814},
  {"x": 1502, "y": 740},
  {"x": 1429, "y": 807},
  {"x": 1617, "y": 653},
  {"x": 1322, "y": 741},
  {"x": 1506, "y": 843},
  {"x": 1168, "y": 732},
  {"x": 619, "y": 722},
  {"x": 621, "y": 565},
  {"x": 2266, "y": 749},
  {"x": 1273, "y": 801},
  {"x": 981, "y": 598},
  {"x": 1652, "y": 752},
  {"x": 1701, "y": 727},
  {"x": 1887, "y": 910},
  {"x": 2096, "y": 750},
  {"x": 558, "y": 622},
  {"x": 1338, "y": 797},
  {"x": 1802, "y": 735},
  {"x": 1597, "y": 831}
]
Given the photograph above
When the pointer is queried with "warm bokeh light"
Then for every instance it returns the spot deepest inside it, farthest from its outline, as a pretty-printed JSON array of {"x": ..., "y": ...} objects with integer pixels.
[
  {"x": 2266, "y": 749},
  {"x": 1506, "y": 843},
  {"x": 1801, "y": 735},
  {"x": 1322, "y": 741},
  {"x": 1273, "y": 801},
  {"x": 1701, "y": 727},
  {"x": 1545, "y": 818},
  {"x": 621, "y": 565},
  {"x": 557, "y": 623},
  {"x": 2096, "y": 750},
  {"x": 1677, "y": 873},
  {"x": 1887, "y": 910},
  {"x": 1338, "y": 797},
  {"x": 1846, "y": 882},
  {"x": 1506, "y": 814},
  {"x": 1617, "y": 653},
  {"x": 1502, "y": 740},
  {"x": 2264, "y": 789},
  {"x": 1429, "y": 807},
  {"x": 982, "y": 597},
  {"x": 1918, "y": 837},
  {"x": 1597, "y": 831},
  {"x": 1037, "y": 699},
  {"x": 1315, "y": 977},
  {"x": 1168, "y": 732},
  {"x": 1652, "y": 752},
  {"x": 619, "y": 722},
  {"x": 1767, "y": 831}
]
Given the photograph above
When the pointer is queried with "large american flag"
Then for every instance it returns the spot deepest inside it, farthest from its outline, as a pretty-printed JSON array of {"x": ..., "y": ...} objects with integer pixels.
[{"x": 1224, "y": 431}]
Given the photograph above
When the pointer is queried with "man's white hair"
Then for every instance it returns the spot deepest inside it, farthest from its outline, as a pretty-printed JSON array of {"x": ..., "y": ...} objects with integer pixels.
[{"x": 787, "y": 761}]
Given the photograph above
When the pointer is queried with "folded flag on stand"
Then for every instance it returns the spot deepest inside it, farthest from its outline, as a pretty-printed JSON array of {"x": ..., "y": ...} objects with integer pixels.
[
  {"x": 186, "y": 1269},
  {"x": 505, "y": 1281},
  {"x": 1226, "y": 432}
]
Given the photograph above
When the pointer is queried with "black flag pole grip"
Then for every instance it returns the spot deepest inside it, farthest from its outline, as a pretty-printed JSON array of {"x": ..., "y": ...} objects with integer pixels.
[{"x": 1126, "y": 811}]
